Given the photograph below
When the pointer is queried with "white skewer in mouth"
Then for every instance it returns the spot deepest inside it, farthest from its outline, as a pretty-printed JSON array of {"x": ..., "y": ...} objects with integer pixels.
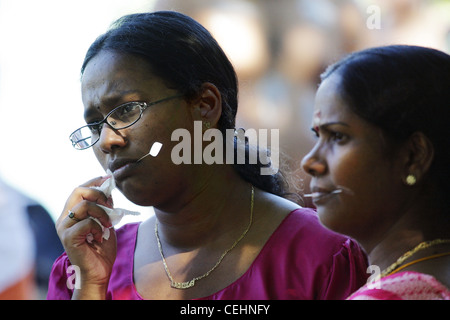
[
  {"x": 310, "y": 195},
  {"x": 154, "y": 150},
  {"x": 339, "y": 189}
]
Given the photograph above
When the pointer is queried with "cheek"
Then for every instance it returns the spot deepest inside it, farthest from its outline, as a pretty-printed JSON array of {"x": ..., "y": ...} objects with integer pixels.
[
  {"x": 363, "y": 178},
  {"x": 347, "y": 169},
  {"x": 101, "y": 157},
  {"x": 358, "y": 169},
  {"x": 160, "y": 125},
  {"x": 151, "y": 133}
]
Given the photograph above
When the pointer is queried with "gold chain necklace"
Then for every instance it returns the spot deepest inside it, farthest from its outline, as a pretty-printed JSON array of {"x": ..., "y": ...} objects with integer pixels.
[
  {"x": 426, "y": 244},
  {"x": 191, "y": 283}
]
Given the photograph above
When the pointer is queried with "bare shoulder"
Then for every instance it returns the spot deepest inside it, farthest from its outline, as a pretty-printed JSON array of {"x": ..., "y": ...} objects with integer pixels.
[
  {"x": 274, "y": 204},
  {"x": 270, "y": 210}
]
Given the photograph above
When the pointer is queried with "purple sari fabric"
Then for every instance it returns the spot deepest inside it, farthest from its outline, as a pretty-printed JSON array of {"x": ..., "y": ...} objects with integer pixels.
[{"x": 301, "y": 260}]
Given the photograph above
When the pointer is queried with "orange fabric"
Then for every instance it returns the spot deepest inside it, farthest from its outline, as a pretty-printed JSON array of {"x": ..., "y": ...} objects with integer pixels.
[{"x": 24, "y": 289}]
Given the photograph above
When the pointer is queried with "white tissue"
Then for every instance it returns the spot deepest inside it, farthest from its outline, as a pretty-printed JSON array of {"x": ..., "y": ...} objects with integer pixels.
[{"x": 115, "y": 215}]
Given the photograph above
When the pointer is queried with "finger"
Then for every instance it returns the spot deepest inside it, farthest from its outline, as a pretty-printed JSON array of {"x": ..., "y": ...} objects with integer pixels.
[
  {"x": 93, "y": 195},
  {"x": 83, "y": 194},
  {"x": 95, "y": 182},
  {"x": 86, "y": 209},
  {"x": 77, "y": 234}
]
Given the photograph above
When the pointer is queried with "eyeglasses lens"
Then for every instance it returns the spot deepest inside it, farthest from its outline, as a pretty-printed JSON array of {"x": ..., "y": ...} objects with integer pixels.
[
  {"x": 122, "y": 117},
  {"x": 82, "y": 138}
]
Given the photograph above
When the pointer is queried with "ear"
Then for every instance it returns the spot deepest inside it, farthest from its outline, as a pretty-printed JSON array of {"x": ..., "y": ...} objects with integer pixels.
[
  {"x": 420, "y": 154},
  {"x": 208, "y": 106}
]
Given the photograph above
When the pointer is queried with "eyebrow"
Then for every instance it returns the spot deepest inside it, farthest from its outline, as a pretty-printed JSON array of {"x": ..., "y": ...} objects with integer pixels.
[
  {"x": 112, "y": 100},
  {"x": 326, "y": 125}
]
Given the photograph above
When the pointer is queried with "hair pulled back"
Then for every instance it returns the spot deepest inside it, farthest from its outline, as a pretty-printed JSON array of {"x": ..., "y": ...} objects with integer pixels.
[
  {"x": 402, "y": 90},
  {"x": 184, "y": 55}
]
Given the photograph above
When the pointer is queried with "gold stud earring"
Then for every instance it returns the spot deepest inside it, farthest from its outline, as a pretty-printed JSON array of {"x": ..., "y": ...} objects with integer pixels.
[
  {"x": 207, "y": 124},
  {"x": 411, "y": 180}
]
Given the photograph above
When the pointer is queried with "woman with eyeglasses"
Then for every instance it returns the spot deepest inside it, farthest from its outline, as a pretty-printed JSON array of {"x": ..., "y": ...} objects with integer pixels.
[
  {"x": 380, "y": 166},
  {"x": 220, "y": 231}
]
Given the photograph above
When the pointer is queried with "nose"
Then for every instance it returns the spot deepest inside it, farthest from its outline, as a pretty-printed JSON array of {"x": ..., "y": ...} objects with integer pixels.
[
  {"x": 111, "y": 139},
  {"x": 313, "y": 164}
]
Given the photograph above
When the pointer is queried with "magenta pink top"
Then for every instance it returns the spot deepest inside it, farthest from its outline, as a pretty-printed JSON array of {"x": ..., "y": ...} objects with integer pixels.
[{"x": 301, "y": 260}]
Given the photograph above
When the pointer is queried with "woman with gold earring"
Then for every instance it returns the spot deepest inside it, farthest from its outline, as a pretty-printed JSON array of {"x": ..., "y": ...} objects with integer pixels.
[
  {"x": 380, "y": 167},
  {"x": 220, "y": 231}
]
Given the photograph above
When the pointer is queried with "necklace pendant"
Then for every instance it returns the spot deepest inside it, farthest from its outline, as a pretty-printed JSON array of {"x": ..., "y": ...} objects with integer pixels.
[{"x": 182, "y": 285}]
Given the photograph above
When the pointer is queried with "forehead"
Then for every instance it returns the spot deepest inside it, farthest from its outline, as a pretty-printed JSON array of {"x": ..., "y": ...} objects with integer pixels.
[
  {"x": 329, "y": 106},
  {"x": 109, "y": 76}
]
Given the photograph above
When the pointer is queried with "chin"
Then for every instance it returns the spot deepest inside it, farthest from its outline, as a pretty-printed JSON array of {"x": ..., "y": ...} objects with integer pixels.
[
  {"x": 135, "y": 193},
  {"x": 140, "y": 201},
  {"x": 332, "y": 220}
]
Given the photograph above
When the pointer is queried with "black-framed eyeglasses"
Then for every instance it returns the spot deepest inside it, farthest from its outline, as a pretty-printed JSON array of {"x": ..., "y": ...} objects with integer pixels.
[{"x": 120, "y": 117}]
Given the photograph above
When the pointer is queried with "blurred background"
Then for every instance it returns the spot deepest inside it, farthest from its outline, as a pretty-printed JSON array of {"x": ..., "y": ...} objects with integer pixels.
[{"x": 279, "y": 48}]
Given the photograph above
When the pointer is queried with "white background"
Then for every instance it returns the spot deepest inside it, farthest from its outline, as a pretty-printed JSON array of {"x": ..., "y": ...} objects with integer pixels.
[{"x": 42, "y": 47}]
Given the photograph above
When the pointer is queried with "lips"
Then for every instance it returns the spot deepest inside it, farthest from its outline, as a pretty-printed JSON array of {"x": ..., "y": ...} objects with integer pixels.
[
  {"x": 119, "y": 163},
  {"x": 121, "y": 167},
  {"x": 322, "y": 195}
]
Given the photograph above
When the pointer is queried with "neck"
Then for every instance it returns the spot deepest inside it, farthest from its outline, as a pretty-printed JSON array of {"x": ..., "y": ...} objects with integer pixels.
[
  {"x": 409, "y": 231},
  {"x": 213, "y": 208},
  {"x": 393, "y": 246}
]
